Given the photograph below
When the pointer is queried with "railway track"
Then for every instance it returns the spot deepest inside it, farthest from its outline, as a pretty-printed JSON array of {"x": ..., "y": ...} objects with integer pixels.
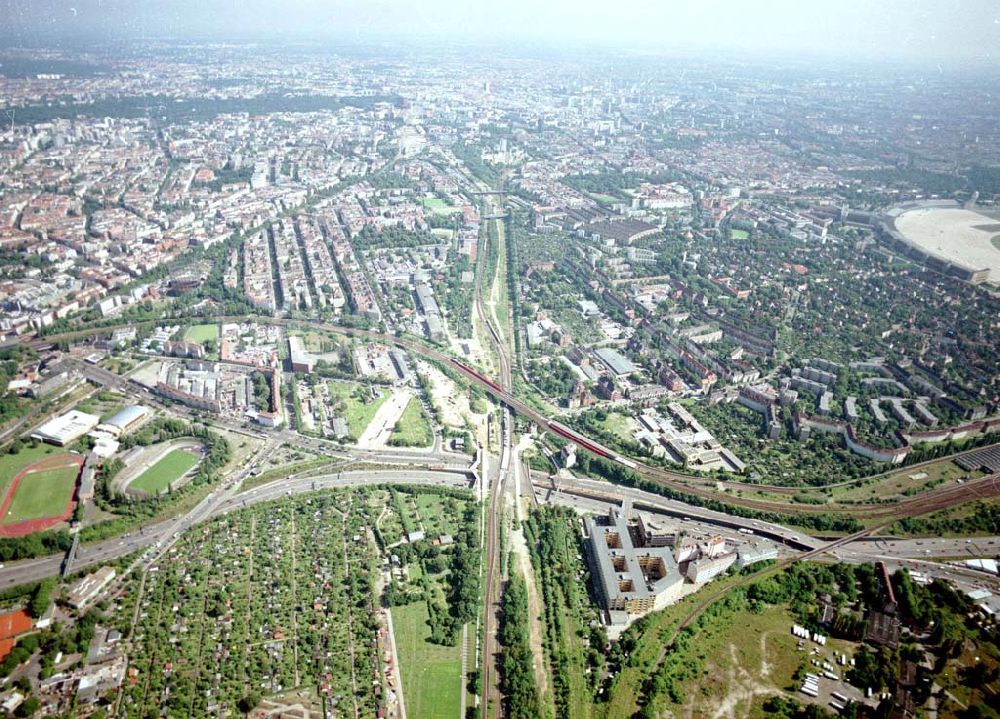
[
  {"x": 491, "y": 691},
  {"x": 681, "y": 483}
]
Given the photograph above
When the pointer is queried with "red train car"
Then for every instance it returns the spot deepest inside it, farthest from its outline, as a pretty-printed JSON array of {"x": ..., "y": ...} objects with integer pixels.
[
  {"x": 478, "y": 375},
  {"x": 572, "y": 436}
]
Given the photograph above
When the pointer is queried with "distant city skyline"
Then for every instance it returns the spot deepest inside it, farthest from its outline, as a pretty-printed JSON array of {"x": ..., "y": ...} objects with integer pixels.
[{"x": 926, "y": 30}]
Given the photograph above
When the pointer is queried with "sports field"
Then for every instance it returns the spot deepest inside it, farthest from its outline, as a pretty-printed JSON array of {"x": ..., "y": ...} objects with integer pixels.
[
  {"x": 201, "y": 333},
  {"x": 432, "y": 681},
  {"x": 41, "y": 493},
  {"x": 11, "y": 464},
  {"x": 169, "y": 468},
  {"x": 438, "y": 206}
]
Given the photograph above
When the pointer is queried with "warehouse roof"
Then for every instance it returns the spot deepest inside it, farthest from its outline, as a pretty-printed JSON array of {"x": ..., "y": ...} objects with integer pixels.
[
  {"x": 124, "y": 418},
  {"x": 615, "y": 361},
  {"x": 66, "y": 428}
]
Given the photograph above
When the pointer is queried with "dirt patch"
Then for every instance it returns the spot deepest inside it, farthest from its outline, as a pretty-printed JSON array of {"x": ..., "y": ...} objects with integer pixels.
[
  {"x": 743, "y": 689},
  {"x": 520, "y": 549},
  {"x": 452, "y": 402}
]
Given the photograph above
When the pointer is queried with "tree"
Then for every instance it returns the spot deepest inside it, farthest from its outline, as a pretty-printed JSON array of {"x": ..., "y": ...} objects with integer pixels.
[
  {"x": 28, "y": 707},
  {"x": 247, "y": 703},
  {"x": 42, "y": 597}
]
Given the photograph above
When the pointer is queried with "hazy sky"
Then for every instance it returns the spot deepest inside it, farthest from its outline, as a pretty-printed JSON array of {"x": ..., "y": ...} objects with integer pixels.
[{"x": 917, "y": 29}]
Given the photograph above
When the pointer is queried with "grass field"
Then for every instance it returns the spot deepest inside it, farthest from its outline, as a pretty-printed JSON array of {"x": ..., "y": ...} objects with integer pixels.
[
  {"x": 172, "y": 466},
  {"x": 357, "y": 413},
  {"x": 897, "y": 483},
  {"x": 739, "y": 234},
  {"x": 11, "y": 464},
  {"x": 200, "y": 333},
  {"x": 995, "y": 240},
  {"x": 438, "y": 205},
  {"x": 620, "y": 426},
  {"x": 412, "y": 429},
  {"x": 432, "y": 682},
  {"x": 436, "y": 518},
  {"x": 42, "y": 494},
  {"x": 625, "y": 689}
]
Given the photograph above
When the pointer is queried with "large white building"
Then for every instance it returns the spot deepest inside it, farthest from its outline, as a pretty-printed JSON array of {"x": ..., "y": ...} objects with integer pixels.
[{"x": 66, "y": 428}]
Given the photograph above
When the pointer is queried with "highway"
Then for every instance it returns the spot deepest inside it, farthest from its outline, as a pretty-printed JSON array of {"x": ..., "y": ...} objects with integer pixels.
[
  {"x": 915, "y": 554},
  {"x": 939, "y": 498},
  {"x": 215, "y": 504}
]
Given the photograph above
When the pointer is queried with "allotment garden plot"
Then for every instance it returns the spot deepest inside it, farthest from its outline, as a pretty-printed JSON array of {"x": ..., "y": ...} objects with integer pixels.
[
  {"x": 276, "y": 600},
  {"x": 434, "y": 591}
]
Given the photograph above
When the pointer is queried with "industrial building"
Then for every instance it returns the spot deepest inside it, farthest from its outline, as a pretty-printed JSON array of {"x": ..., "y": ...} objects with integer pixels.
[
  {"x": 752, "y": 553},
  {"x": 615, "y": 361},
  {"x": 66, "y": 428},
  {"x": 300, "y": 359},
  {"x": 629, "y": 577},
  {"x": 127, "y": 418},
  {"x": 89, "y": 588},
  {"x": 708, "y": 568}
]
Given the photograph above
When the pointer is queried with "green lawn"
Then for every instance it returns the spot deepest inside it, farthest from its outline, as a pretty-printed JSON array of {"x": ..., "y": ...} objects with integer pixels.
[
  {"x": 412, "y": 429},
  {"x": 432, "y": 682},
  {"x": 201, "y": 333},
  {"x": 11, "y": 464},
  {"x": 168, "y": 469},
  {"x": 438, "y": 206},
  {"x": 42, "y": 494},
  {"x": 436, "y": 517},
  {"x": 996, "y": 241},
  {"x": 621, "y": 426},
  {"x": 357, "y": 413},
  {"x": 739, "y": 234}
]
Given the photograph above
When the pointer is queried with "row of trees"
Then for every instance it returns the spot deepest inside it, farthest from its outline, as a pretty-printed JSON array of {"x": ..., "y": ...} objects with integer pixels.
[
  {"x": 34, "y": 545},
  {"x": 619, "y": 474},
  {"x": 517, "y": 676},
  {"x": 554, "y": 540}
]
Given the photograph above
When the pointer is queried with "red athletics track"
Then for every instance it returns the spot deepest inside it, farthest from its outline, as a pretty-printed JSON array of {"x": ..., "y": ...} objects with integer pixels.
[{"x": 20, "y": 529}]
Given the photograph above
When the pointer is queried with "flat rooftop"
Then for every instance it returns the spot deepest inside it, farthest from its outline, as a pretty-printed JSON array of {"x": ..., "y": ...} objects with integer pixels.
[{"x": 954, "y": 234}]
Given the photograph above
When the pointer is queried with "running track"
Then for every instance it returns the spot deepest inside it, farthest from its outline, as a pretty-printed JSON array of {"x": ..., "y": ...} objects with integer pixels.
[{"x": 20, "y": 529}]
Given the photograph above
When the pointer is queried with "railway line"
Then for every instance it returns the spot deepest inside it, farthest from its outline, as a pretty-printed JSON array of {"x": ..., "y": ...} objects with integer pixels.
[
  {"x": 679, "y": 482},
  {"x": 491, "y": 692}
]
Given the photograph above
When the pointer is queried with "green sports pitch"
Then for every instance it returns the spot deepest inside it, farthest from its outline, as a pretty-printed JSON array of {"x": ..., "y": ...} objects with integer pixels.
[
  {"x": 202, "y": 333},
  {"x": 168, "y": 469},
  {"x": 41, "y": 494}
]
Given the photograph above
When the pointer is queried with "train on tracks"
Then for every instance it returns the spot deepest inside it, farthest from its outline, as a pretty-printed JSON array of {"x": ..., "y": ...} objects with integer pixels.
[
  {"x": 566, "y": 433},
  {"x": 559, "y": 429}
]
